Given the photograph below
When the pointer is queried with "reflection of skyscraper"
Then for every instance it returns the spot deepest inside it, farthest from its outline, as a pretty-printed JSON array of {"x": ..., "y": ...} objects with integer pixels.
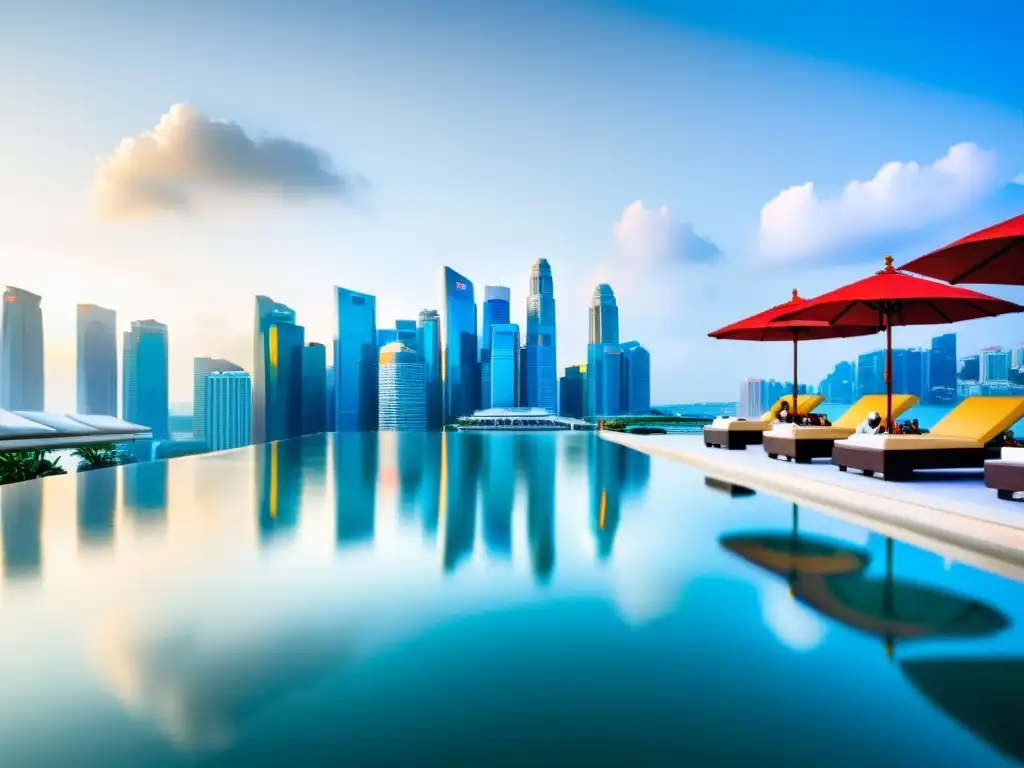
[
  {"x": 355, "y": 361},
  {"x": 461, "y": 379},
  {"x": 201, "y": 368},
  {"x": 495, "y": 312},
  {"x": 536, "y": 454},
  {"x": 314, "y": 388},
  {"x": 279, "y": 486},
  {"x": 277, "y": 372},
  {"x": 97, "y": 499},
  {"x": 314, "y": 462},
  {"x": 430, "y": 495},
  {"x": 428, "y": 344},
  {"x": 227, "y": 410},
  {"x": 616, "y": 474},
  {"x": 21, "y": 522},
  {"x": 145, "y": 372},
  {"x": 145, "y": 489},
  {"x": 411, "y": 453},
  {"x": 541, "y": 352},
  {"x": 461, "y": 468},
  {"x": 498, "y": 490},
  {"x": 356, "y": 466},
  {"x": 21, "y": 351},
  {"x": 97, "y": 360}
]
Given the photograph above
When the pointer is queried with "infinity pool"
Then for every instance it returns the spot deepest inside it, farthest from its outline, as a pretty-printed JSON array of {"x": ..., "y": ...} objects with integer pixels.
[{"x": 483, "y": 599}]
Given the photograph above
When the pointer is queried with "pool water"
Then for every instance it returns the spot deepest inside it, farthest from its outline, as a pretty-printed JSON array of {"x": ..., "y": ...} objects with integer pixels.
[{"x": 483, "y": 599}]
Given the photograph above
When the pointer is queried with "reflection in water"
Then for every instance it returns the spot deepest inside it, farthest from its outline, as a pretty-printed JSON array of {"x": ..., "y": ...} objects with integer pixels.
[
  {"x": 575, "y": 454},
  {"x": 97, "y": 500},
  {"x": 145, "y": 489},
  {"x": 21, "y": 516},
  {"x": 460, "y": 467},
  {"x": 430, "y": 496},
  {"x": 536, "y": 456},
  {"x": 616, "y": 473},
  {"x": 314, "y": 462},
  {"x": 411, "y": 465},
  {"x": 498, "y": 488},
  {"x": 355, "y": 485},
  {"x": 279, "y": 486}
]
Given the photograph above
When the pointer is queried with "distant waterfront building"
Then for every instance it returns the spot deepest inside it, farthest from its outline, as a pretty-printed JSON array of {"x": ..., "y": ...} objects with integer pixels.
[
  {"x": 144, "y": 391},
  {"x": 840, "y": 385},
  {"x": 460, "y": 372},
  {"x": 403, "y": 393},
  {"x": 636, "y": 378},
  {"x": 995, "y": 366},
  {"x": 496, "y": 311},
  {"x": 871, "y": 373},
  {"x": 428, "y": 342},
  {"x": 201, "y": 368},
  {"x": 571, "y": 392},
  {"x": 503, "y": 378},
  {"x": 604, "y": 356},
  {"x": 519, "y": 419},
  {"x": 1017, "y": 362},
  {"x": 314, "y": 388},
  {"x": 227, "y": 410},
  {"x": 22, "y": 384},
  {"x": 355, "y": 361},
  {"x": 96, "y": 360},
  {"x": 970, "y": 369},
  {"x": 524, "y": 376},
  {"x": 277, "y": 372},
  {"x": 541, "y": 340},
  {"x": 942, "y": 365},
  {"x": 751, "y": 399}
]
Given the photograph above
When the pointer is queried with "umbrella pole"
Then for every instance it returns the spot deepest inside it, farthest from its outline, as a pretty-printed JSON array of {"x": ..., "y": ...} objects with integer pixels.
[
  {"x": 796, "y": 390},
  {"x": 888, "y": 373}
]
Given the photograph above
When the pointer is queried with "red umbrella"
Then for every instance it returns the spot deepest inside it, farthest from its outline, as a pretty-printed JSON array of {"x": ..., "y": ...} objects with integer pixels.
[
  {"x": 890, "y": 298},
  {"x": 766, "y": 326},
  {"x": 994, "y": 256}
]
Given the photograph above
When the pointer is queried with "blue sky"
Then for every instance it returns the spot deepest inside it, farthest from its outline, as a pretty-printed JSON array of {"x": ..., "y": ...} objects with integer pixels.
[{"x": 490, "y": 137}]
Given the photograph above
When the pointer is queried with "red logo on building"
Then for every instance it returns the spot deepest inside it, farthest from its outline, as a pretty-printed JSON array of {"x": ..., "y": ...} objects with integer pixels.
[{"x": 460, "y": 286}]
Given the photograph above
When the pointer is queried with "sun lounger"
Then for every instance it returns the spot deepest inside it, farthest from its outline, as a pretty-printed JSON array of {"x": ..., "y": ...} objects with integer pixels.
[
  {"x": 802, "y": 444},
  {"x": 733, "y": 434},
  {"x": 1006, "y": 474},
  {"x": 961, "y": 440}
]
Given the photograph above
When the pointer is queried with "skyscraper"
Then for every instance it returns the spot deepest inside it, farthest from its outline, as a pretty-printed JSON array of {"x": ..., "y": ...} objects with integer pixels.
[
  {"x": 355, "y": 361},
  {"x": 943, "y": 368},
  {"x": 277, "y": 372},
  {"x": 21, "y": 352},
  {"x": 636, "y": 378},
  {"x": 503, "y": 378},
  {"x": 227, "y": 409},
  {"x": 751, "y": 399},
  {"x": 459, "y": 370},
  {"x": 314, "y": 388},
  {"x": 201, "y": 368},
  {"x": 604, "y": 316},
  {"x": 97, "y": 360},
  {"x": 604, "y": 356},
  {"x": 329, "y": 392},
  {"x": 541, "y": 351},
  {"x": 407, "y": 332},
  {"x": 428, "y": 343},
  {"x": 995, "y": 366},
  {"x": 571, "y": 392},
  {"x": 403, "y": 393},
  {"x": 871, "y": 373},
  {"x": 496, "y": 312},
  {"x": 144, "y": 389}
]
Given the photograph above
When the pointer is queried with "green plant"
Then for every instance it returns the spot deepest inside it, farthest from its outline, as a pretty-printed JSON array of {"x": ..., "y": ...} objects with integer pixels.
[
  {"x": 615, "y": 425},
  {"x": 97, "y": 456},
  {"x": 17, "y": 466}
]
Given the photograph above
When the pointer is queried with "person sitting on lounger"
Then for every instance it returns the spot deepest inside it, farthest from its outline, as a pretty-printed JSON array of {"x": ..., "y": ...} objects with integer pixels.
[
  {"x": 782, "y": 415},
  {"x": 872, "y": 425}
]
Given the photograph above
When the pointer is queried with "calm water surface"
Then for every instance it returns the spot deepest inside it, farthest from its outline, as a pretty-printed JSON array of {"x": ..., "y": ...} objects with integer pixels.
[{"x": 482, "y": 599}]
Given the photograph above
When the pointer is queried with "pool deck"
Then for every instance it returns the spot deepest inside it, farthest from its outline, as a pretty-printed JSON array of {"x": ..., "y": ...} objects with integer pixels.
[{"x": 951, "y": 508}]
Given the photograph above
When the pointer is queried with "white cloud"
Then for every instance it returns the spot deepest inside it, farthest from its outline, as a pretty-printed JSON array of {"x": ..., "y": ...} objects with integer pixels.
[
  {"x": 189, "y": 160},
  {"x": 798, "y": 225},
  {"x": 654, "y": 235}
]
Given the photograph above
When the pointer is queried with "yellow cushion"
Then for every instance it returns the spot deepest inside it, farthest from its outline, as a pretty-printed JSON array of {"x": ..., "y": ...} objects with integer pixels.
[
  {"x": 805, "y": 404},
  {"x": 981, "y": 418},
  {"x": 857, "y": 413},
  {"x": 800, "y": 432},
  {"x": 927, "y": 442}
]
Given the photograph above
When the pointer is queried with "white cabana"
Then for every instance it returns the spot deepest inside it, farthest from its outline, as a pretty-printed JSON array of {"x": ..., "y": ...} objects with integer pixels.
[{"x": 33, "y": 430}]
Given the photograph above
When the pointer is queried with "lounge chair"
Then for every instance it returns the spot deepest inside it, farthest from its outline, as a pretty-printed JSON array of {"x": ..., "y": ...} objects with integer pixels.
[
  {"x": 802, "y": 444},
  {"x": 1006, "y": 474},
  {"x": 961, "y": 440},
  {"x": 732, "y": 433}
]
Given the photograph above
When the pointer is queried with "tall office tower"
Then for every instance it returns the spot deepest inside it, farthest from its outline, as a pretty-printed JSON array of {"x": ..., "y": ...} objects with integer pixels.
[
  {"x": 524, "y": 376},
  {"x": 277, "y": 372},
  {"x": 329, "y": 392},
  {"x": 403, "y": 391},
  {"x": 1017, "y": 361},
  {"x": 201, "y": 368},
  {"x": 636, "y": 378},
  {"x": 751, "y": 399},
  {"x": 910, "y": 374},
  {"x": 496, "y": 312},
  {"x": 570, "y": 392},
  {"x": 314, "y": 389},
  {"x": 503, "y": 359},
  {"x": 355, "y": 362},
  {"x": 871, "y": 373},
  {"x": 994, "y": 367},
  {"x": 21, "y": 352},
  {"x": 970, "y": 369},
  {"x": 97, "y": 360},
  {"x": 227, "y": 409},
  {"x": 604, "y": 356},
  {"x": 840, "y": 385},
  {"x": 942, "y": 367},
  {"x": 459, "y": 370},
  {"x": 407, "y": 332},
  {"x": 144, "y": 388},
  {"x": 604, "y": 316},
  {"x": 541, "y": 340},
  {"x": 386, "y": 336},
  {"x": 428, "y": 344}
]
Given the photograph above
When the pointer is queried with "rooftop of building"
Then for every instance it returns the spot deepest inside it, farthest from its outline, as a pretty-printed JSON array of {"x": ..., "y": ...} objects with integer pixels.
[
  {"x": 33, "y": 430},
  {"x": 518, "y": 412},
  {"x": 392, "y": 350}
]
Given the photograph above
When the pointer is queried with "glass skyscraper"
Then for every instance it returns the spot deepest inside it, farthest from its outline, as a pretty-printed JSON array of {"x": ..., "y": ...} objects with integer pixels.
[
  {"x": 504, "y": 366},
  {"x": 403, "y": 393},
  {"x": 541, "y": 351},
  {"x": 604, "y": 356},
  {"x": 329, "y": 392},
  {"x": 871, "y": 373},
  {"x": 277, "y": 372},
  {"x": 314, "y": 389},
  {"x": 495, "y": 312},
  {"x": 144, "y": 388},
  {"x": 942, "y": 368},
  {"x": 97, "y": 360},
  {"x": 21, "y": 352},
  {"x": 636, "y": 378},
  {"x": 571, "y": 392},
  {"x": 201, "y": 368},
  {"x": 459, "y": 370},
  {"x": 355, "y": 362},
  {"x": 227, "y": 410},
  {"x": 428, "y": 344}
]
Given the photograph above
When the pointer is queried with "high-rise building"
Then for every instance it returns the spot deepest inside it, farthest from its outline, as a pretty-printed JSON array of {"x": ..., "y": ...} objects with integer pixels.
[
  {"x": 1017, "y": 363},
  {"x": 403, "y": 391},
  {"x": 970, "y": 369},
  {"x": 541, "y": 340},
  {"x": 386, "y": 336},
  {"x": 571, "y": 392},
  {"x": 604, "y": 316},
  {"x": 524, "y": 376},
  {"x": 355, "y": 362},
  {"x": 21, "y": 352},
  {"x": 428, "y": 344},
  {"x": 407, "y": 332},
  {"x": 201, "y": 368},
  {"x": 751, "y": 399},
  {"x": 144, "y": 388},
  {"x": 227, "y": 409},
  {"x": 277, "y": 372},
  {"x": 496, "y": 311},
  {"x": 503, "y": 358},
  {"x": 329, "y": 391},
  {"x": 314, "y": 389},
  {"x": 871, "y": 373},
  {"x": 97, "y": 360},
  {"x": 942, "y": 368},
  {"x": 995, "y": 368},
  {"x": 459, "y": 370},
  {"x": 604, "y": 356},
  {"x": 840, "y": 385},
  {"x": 636, "y": 378}
]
